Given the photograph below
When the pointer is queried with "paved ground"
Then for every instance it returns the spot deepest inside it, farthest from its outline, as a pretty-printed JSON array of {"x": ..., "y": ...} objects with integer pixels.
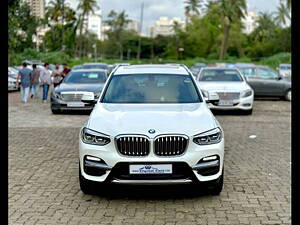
[{"x": 44, "y": 188}]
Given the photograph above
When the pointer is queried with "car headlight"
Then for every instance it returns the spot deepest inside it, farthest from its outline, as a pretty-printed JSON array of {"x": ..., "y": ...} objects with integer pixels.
[
  {"x": 246, "y": 93},
  {"x": 213, "y": 136},
  {"x": 57, "y": 95},
  {"x": 93, "y": 137}
]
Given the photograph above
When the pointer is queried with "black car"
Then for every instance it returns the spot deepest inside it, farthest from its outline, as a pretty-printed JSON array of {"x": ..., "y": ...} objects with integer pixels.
[
  {"x": 67, "y": 95},
  {"x": 267, "y": 82}
]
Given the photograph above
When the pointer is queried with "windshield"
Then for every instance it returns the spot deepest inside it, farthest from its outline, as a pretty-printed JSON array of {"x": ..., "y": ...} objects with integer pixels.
[
  {"x": 85, "y": 77},
  {"x": 248, "y": 71},
  {"x": 285, "y": 67},
  {"x": 151, "y": 88},
  {"x": 220, "y": 75},
  {"x": 96, "y": 66}
]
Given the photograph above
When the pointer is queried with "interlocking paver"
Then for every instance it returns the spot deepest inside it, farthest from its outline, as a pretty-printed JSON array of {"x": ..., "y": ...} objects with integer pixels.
[{"x": 44, "y": 188}]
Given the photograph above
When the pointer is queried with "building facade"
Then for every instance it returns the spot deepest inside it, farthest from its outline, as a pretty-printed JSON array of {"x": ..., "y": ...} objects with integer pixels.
[
  {"x": 37, "y": 7},
  {"x": 165, "y": 26},
  {"x": 94, "y": 24},
  {"x": 250, "y": 22}
]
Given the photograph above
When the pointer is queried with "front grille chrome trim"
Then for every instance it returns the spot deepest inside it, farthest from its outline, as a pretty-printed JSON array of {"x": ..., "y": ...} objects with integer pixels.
[
  {"x": 174, "y": 148},
  {"x": 141, "y": 148},
  {"x": 152, "y": 182}
]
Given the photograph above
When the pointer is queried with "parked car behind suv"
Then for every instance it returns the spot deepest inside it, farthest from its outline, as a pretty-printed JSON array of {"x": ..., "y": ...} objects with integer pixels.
[
  {"x": 267, "y": 82},
  {"x": 151, "y": 125},
  {"x": 67, "y": 95},
  {"x": 230, "y": 85}
]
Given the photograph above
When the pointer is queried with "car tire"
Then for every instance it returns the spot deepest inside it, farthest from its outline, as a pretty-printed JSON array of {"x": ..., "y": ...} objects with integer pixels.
[
  {"x": 55, "y": 111},
  {"x": 248, "y": 112},
  {"x": 218, "y": 187},
  {"x": 288, "y": 95},
  {"x": 86, "y": 186}
]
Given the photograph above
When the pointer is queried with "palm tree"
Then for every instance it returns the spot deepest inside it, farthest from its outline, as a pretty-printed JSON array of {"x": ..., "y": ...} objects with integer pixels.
[
  {"x": 86, "y": 7},
  {"x": 265, "y": 27},
  {"x": 289, "y": 4},
  {"x": 281, "y": 14},
  {"x": 231, "y": 11},
  {"x": 192, "y": 8}
]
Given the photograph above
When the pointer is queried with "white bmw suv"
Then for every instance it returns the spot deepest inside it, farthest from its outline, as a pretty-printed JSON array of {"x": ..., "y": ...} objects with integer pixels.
[{"x": 151, "y": 125}]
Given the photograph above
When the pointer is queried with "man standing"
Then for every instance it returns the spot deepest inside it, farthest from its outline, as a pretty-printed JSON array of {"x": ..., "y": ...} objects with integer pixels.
[
  {"x": 25, "y": 74},
  {"x": 66, "y": 70},
  {"x": 57, "y": 75},
  {"x": 35, "y": 83},
  {"x": 45, "y": 78}
]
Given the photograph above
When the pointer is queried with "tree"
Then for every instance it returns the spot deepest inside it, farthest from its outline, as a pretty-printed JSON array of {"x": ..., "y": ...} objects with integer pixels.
[
  {"x": 86, "y": 7},
  {"x": 281, "y": 14},
  {"x": 231, "y": 11},
  {"x": 192, "y": 8},
  {"x": 117, "y": 23}
]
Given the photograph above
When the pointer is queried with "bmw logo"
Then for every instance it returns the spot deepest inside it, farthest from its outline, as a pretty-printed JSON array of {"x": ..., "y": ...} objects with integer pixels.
[{"x": 151, "y": 131}]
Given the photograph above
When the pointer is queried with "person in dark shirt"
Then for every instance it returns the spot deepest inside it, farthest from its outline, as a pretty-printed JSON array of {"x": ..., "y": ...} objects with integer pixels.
[
  {"x": 66, "y": 70},
  {"x": 25, "y": 75},
  {"x": 35, "y": 81}
]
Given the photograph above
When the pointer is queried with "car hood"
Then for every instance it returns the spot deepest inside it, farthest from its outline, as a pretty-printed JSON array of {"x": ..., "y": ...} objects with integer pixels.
[
  {"x": 224, "y": 86},
  {"x": 79, "y": 87},
  {"x": 115, "y": 119}
]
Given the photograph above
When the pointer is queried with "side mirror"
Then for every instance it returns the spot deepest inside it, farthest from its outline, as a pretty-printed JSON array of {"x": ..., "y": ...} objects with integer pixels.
[
  {"x": 213, "y": 98},
  {"x": 88, "y": 97}
]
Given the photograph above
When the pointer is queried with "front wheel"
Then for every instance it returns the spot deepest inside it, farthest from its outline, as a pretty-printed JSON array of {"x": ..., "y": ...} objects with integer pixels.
[
  {"x": 248, "y": 112},
  {"x": 288, "y": 95},
  {"x": 86, "y": 186},
  {"x": 218, "y": 187},
  {"x": 55, "y": 111}
]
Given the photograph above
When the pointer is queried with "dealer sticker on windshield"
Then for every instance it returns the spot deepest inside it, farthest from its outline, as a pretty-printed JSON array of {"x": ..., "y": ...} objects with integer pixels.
[{"x": 151, "y": 169}]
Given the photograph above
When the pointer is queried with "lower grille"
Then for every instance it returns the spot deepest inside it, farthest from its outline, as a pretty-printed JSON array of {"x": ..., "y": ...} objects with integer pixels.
[
  {"x": 228, "y": 95},
  {"x": 133, "y": 145},
  {"x": 170, "y": 145},
  {"x": 72, "y": 97}
]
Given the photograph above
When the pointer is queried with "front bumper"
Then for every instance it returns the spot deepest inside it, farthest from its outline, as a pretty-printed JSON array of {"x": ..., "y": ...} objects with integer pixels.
[
  {"x": 187, "y": 168},
  {"x": 240, "y": 104},
  {"x": 58, "y": 104}
]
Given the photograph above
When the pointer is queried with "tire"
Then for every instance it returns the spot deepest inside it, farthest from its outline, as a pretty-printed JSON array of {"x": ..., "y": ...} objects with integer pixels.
[
  {"x": 218, "y": 187},
  {"x": 248, "y": 112},
  {"x": 86, "y": 186},
  {"x": 55, "y": 111},
  {"x": 288, "y": 95}
]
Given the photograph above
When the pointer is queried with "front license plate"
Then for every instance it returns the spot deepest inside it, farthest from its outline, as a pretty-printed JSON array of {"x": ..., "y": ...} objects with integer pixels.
[
  {"x": 151, "y": 169},
  {"x": 225, "y": 103},
  {"x": 75, "y": 104}
]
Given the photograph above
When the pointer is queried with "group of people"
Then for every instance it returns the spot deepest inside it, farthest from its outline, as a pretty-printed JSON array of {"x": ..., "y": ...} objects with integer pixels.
[{"x": 33, "y": 79}]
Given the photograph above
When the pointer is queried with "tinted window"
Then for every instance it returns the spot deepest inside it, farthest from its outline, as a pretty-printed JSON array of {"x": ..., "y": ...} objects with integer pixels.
[
  {"x": 96, "y": 66},
  {"x": 285, "y": 67},
  {"x": 151, "y": 88},
  {"x": 85, "y": 77},
  {"x": 220, "y": 75}
]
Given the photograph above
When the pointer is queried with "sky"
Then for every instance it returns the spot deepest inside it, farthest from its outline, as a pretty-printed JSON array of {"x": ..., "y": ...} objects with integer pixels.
[{"x": 153, "y": 9}]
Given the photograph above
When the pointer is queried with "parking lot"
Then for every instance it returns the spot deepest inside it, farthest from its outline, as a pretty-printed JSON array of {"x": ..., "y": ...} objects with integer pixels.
[{"x": 44, "y": 186}]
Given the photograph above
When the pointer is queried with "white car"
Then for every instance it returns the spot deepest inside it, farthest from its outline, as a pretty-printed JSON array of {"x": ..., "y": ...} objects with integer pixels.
[
  {"x": 151, "y": 125},
  {"x": 12, "y": 84},
  {"x": 231, "y": 86},
  {"x": 285, "y": 70}
]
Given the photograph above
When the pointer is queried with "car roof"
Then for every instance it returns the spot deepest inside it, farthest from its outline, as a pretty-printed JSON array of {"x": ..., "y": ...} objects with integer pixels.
[
  {"x": 151, "y": 68},
  {"x": 94, "y": 63},
  {"x": 89, "y": 70},
  {"x": 218, "y": 68}
]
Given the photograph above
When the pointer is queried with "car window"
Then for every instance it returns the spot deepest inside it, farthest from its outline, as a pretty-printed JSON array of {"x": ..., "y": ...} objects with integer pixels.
[
  {"x": 151, "y": 88},
  {"x": 85, "y": 77},
  {"x": 220, "y": 75},
  {"x": 265, "y": 73},
  {"x": 248, "y": 72}
]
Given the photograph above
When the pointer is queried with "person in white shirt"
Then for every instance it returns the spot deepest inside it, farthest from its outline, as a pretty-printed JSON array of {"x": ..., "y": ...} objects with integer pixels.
[{"x": 45, "y": 78}]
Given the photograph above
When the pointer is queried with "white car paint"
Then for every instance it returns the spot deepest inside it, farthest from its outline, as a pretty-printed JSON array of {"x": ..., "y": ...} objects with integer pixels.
[
  {"x": 187, "y": 119},
  {"x": 228, "y": 87}
]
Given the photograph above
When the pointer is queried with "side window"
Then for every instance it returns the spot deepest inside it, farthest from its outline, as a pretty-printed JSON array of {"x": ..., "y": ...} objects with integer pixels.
[{"x": 266, "y": 74}]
